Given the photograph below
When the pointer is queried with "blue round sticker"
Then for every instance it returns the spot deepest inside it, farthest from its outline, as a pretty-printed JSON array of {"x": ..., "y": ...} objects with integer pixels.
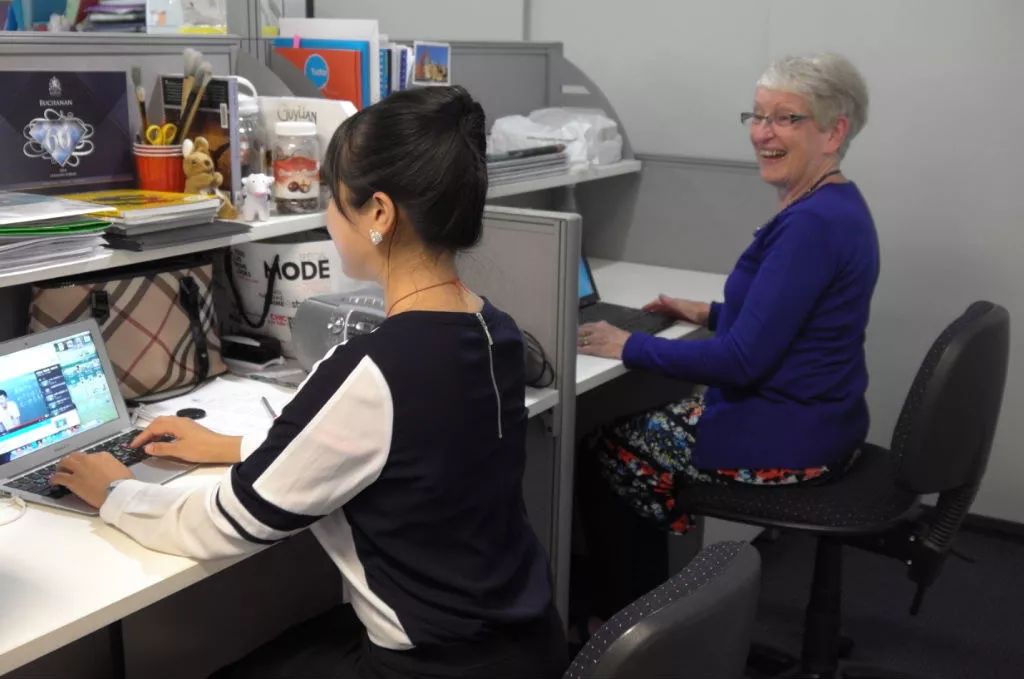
[{"x": 316, "y": 70}]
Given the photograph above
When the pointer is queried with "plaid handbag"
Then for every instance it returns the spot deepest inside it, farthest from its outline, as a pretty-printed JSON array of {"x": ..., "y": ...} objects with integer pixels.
[{"x": 157, "y": 320}]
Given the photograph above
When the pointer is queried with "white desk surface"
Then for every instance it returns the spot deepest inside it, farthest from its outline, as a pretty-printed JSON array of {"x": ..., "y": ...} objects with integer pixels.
[
  {"x": 634, "y": 285},
  {"x": 64, "y": 575}
]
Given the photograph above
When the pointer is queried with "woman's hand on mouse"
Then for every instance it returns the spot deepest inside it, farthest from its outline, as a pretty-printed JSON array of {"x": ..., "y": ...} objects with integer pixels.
[{"x": 192, "y": 442}]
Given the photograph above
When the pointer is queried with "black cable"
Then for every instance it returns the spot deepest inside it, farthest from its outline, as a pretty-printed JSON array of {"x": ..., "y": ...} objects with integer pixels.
[{"x": 539, "y": 371}]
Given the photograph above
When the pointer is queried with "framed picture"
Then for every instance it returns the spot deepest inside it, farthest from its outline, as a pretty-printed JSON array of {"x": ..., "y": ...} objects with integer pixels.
[{"x": 432, "y": 63}]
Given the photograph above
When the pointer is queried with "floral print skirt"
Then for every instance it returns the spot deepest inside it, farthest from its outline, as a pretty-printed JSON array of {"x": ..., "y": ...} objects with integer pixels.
[{"x": 644, "y": 457}]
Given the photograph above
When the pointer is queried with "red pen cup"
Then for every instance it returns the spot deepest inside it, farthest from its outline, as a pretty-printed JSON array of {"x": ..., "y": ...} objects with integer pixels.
[{"x": 159, "y": 167}]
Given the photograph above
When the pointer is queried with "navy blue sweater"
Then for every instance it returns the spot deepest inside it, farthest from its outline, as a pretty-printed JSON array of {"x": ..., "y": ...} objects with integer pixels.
[{"x": 786, "y": 367}]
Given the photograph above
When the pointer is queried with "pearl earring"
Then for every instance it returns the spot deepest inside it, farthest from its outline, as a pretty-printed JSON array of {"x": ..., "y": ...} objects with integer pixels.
[{"x": 376, "y": 237}]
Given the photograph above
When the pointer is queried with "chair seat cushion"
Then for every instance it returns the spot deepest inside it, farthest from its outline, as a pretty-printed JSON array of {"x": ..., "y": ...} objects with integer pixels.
[{"x": 866, "y": 499}]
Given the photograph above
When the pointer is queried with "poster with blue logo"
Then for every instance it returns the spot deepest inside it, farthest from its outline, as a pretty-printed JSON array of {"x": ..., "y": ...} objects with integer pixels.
[{"x": 66, "y": 129}]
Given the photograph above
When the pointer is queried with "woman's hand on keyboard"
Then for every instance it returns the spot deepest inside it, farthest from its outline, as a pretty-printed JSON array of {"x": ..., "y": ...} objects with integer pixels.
[
  {"x": 89, "y": 475},
  {"x": 601, "y": 339},
  {"x": 192, "y": 442},
  {"x": 683, "y": 309}
]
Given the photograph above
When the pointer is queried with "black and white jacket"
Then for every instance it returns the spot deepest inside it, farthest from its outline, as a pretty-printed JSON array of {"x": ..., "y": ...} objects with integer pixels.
[{"x": 404, "y": 452}]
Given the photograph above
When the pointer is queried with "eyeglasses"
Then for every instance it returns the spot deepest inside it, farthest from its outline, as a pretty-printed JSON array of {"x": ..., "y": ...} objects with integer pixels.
[{"x": 780, "y": 120}]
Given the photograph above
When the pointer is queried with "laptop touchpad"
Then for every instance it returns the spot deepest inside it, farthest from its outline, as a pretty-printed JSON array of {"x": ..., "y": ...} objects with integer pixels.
[{"x": 155, "y": 469}]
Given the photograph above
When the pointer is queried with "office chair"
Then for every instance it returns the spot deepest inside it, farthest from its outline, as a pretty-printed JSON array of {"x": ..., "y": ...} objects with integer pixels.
[
  {"x": 696, "y": 624},
  {"x": 940, "y": 445}
]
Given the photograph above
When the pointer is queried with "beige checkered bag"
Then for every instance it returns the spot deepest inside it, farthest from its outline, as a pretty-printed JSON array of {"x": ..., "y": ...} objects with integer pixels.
[{"x": 157, "y": 320}]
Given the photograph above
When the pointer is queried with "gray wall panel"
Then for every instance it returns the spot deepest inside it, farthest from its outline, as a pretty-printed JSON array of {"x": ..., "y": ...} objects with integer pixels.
[{"x": 677, "y": 212}]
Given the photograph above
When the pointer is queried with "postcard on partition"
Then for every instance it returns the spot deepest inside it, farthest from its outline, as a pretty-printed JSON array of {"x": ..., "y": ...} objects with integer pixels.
[
  {"x": 432, "y": 63},
  {"x": 64, "y": 129}
]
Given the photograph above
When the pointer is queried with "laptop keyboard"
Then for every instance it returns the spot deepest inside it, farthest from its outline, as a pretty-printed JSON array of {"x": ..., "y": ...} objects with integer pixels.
[
  {"x": 627, "y": 318},
  {"x": 38, "y": 480}
]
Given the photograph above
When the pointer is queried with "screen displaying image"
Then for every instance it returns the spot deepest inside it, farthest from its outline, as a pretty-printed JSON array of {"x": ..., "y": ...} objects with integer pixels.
[
  {"x": 51, "y": 392},
  {"x": 586, "y": 285}
]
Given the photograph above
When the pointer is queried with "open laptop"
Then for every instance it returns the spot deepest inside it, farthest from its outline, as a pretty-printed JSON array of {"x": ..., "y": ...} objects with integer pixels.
[
  {"x": 58, "y": 394},
  {"x": 592, "y": 309}
]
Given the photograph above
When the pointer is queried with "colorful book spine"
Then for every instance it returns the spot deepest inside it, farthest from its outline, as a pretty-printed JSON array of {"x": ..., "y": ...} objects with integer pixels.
[{"x": 385, "y": 71}]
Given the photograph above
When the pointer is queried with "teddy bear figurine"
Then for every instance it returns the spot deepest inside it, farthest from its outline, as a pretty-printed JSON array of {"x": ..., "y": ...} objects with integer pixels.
[
  {"x": 201, "y": 177},
  {"x": 256, "y": 188}
]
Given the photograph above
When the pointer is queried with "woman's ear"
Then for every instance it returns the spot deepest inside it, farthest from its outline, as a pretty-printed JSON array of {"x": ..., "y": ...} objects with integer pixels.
[
  {"x": 837, "y": 135},
  {"x": 383, "y": 213}
]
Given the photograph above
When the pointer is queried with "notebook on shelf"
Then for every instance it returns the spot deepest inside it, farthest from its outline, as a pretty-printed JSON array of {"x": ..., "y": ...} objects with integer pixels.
[{"x": 136, "y": 206}]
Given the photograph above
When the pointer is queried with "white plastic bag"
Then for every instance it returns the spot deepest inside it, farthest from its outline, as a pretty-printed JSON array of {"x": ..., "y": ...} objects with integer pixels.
[
  {"x": 511, "y": 133},
  {"x": 590, "y": 137}
]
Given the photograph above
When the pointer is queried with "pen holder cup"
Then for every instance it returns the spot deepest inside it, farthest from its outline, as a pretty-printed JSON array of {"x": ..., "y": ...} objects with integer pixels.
[{"x": 159, "y": 167}]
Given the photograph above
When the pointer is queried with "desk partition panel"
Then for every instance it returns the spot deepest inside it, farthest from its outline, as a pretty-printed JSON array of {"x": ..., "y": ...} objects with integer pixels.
[{"x": 527, "y": 265}]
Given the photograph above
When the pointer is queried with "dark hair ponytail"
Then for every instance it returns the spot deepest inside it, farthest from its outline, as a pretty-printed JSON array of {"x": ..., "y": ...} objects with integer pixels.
[{"x": 425, "y": 148}]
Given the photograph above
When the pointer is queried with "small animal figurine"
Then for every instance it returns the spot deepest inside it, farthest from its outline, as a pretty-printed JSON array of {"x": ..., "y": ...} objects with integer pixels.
[
  {"x": 256, "y": 188},
  {"x": 201, "y": 177}
]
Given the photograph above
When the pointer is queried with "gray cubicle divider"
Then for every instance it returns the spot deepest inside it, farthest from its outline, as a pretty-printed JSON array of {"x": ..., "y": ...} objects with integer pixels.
[
  {"x": 508, "y": 77},
  {"x": 527, "y": 265}
]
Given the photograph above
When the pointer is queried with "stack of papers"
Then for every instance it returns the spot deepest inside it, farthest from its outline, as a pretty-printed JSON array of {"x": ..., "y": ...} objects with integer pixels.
[
  {"x": 134, "y": 211},
  {"x": 526, "y": 164},
  {"x": 232, "y": 405},
  {"x": 121, "y": 16},
  {"x": 138, "y": 215},
  {"x": 45, "y": 230}
]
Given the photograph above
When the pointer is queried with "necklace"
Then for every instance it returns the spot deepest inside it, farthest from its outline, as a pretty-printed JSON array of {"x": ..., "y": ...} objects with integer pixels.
[
  {"x": 454, "y": 281},
  {"x": 818, "y": 183},
  {"x": 806, "y": 193}
]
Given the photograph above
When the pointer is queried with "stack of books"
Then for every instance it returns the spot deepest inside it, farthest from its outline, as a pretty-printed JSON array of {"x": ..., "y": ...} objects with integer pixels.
[
  {"x": 142, "y": 219},
  {"x": 117, "y": 16},
  {"x": 526, "y": 164},
  {"x": 40, "y": 230}
]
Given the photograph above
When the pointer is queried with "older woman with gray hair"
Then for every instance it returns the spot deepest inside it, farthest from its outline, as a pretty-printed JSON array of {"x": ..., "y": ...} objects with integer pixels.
[{"x": 785, "y": 370}]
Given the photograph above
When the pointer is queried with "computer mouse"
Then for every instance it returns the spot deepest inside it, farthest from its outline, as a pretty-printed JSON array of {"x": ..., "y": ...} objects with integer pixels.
[{"x": 192, "y": 413}]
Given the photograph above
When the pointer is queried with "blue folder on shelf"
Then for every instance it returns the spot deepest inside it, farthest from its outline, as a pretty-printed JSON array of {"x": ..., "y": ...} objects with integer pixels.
[
  {"x": 361, "y": 46},
  {"x": 40, "y": 11}
]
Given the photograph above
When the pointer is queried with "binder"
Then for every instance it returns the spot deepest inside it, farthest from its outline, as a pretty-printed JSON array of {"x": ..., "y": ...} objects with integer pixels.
[
  {"x": 340, "y": 73},
  {"x": 326, "y": 33}
]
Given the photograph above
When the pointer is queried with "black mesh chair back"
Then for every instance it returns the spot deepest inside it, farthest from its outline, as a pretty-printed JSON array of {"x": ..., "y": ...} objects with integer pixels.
[
  {"x": 697, "y": 624},
  {"x": 945, "y": 430}
]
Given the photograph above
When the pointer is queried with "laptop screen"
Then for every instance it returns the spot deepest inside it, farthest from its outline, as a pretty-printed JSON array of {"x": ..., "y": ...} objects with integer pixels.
[
  {"x": 51, "y": 392},
  {"x": 587, "y": 288}
]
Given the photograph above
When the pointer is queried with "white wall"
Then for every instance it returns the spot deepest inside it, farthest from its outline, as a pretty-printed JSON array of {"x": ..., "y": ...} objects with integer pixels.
[
  {"x": 436, "y": 19},
  {"x": 939, "y": 160}
]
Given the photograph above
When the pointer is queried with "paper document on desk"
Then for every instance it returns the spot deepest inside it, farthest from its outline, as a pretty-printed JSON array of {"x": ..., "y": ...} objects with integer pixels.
[{"x": 233, "y": 405}]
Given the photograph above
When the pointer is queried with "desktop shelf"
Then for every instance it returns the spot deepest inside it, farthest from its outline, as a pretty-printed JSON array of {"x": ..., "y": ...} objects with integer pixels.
[
  {"x": 107, "y": 259},
  {"x": 279, "y": 226},
  {"x": 587, "y": 174},
  {"x": 540, "y": 400}
]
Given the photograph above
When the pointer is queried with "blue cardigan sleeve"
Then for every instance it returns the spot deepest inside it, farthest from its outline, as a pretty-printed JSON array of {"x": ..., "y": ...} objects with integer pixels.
[{"x": 795, "y": 272}]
